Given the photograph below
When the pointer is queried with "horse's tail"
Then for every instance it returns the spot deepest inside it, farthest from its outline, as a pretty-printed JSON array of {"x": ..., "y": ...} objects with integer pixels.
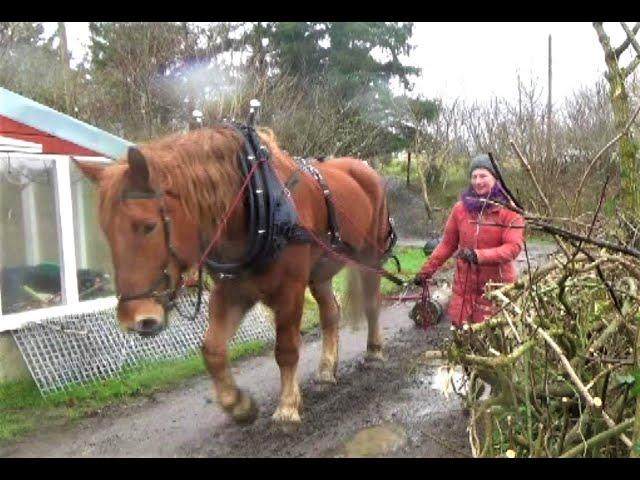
[
  {"x": 353, "y": 301},
  {"x": 355, "y": 298},
  {"x": 387, "y": 236}
]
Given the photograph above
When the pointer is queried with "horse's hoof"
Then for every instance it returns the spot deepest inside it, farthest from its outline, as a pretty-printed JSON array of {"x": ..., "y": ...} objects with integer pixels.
[
  {"x": 374, "y": 356},
  {"x": 245, "y": 411},
  {"x": 286, "y": 422},
  {"x": 287, "y": 419},
  {"x": 325, "y": 377}
]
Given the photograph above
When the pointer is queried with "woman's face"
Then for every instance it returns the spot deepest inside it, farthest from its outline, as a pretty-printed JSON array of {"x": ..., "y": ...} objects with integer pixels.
[{"x": 482, "y": 181}]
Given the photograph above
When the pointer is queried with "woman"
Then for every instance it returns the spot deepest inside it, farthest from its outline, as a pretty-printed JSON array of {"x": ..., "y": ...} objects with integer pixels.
[{"x": 486, "y": 240}]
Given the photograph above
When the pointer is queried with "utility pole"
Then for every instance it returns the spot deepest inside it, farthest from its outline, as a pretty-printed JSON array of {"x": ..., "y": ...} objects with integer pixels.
[
  {"x": 64, "y": 61},
  {"x": 549, "y": 152}
]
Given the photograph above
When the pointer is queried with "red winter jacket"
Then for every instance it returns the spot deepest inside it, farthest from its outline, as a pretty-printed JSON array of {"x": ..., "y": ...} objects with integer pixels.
[{"x": 496, "y": 247}]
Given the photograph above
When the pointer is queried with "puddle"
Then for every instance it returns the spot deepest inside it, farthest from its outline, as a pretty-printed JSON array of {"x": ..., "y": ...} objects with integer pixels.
[
  {"x": 374, "y": 441},
  {"x": 447, "y": 380},
  {"x": 444, "y": 387}
]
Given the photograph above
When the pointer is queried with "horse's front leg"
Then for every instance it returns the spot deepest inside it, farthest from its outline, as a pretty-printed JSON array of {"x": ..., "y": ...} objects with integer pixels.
[
  {"x": 288, "y": 315},
  {"x": 226, "y": 310}
]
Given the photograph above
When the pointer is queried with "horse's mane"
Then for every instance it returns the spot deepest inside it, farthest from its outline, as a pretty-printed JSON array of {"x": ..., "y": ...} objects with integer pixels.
[{"x": 200, "y": 167}]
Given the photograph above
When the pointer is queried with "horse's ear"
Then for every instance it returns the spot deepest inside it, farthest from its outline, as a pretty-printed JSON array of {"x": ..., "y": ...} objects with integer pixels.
[
  {"x": 138, "y": 169},
  {"x": 91, "y": 170}
]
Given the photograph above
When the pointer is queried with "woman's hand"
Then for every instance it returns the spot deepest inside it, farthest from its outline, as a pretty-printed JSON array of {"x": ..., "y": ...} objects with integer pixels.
[
  {"x": 468, "y": 255},
  {"x": 419, "y": 279}
]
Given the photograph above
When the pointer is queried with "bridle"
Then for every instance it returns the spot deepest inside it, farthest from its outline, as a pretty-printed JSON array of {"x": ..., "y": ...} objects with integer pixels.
[{"x": 167, "y": 296}]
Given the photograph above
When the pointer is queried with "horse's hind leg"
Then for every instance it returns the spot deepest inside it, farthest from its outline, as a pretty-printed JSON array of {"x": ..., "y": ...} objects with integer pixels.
[
  {"x": 288, "y": 315},
  {"x": 226, "y": 310},
  {"x": 329, "y": 321},
  {"x": 371, "y": 294}
]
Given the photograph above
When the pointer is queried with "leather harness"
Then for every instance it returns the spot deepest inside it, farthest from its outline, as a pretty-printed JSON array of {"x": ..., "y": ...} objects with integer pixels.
[{"x": 272, "y": 218}]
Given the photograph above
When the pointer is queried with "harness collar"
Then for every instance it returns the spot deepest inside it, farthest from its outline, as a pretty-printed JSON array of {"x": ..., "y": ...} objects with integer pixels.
[{"x": 271, "y": 219}]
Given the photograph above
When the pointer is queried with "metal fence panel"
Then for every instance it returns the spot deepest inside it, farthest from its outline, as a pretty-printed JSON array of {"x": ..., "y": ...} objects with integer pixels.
[{"x": 90, "y": 347}]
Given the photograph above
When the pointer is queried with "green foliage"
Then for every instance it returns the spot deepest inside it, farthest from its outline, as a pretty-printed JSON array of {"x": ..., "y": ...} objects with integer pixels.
[
  {"x": 635, "y": 391},
  {"x": 340, "y": 53},
  {"x": 131, "y": 63}
]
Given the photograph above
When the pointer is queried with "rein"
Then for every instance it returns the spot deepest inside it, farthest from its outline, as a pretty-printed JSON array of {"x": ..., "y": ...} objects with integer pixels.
[{"x": 222, "y": 225}]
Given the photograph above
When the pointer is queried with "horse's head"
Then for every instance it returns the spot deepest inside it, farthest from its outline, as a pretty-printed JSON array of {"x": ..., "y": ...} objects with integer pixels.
[{"x": 152, "y": 240}]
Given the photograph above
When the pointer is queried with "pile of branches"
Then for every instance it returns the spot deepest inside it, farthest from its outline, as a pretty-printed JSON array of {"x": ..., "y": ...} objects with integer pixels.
[{"x": 561, "y": 357}]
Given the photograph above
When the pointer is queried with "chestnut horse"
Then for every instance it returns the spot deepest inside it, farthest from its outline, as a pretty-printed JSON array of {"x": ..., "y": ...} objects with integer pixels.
[{"x": 158, "y": 208}]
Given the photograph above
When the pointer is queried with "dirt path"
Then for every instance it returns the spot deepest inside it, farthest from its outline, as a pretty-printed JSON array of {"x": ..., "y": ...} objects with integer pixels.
[{"x": 391, "y": 410}]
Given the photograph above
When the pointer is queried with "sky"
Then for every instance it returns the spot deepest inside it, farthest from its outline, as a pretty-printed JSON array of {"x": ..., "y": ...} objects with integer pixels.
[{"x": 474, "y": 61}]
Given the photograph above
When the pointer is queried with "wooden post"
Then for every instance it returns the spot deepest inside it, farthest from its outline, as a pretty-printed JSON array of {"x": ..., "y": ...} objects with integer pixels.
[{"x": 408, "y": 167}]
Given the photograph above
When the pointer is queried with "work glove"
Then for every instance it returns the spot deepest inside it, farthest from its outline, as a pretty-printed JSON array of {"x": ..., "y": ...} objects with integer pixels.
[
  {"x": 468, "y": 255},
  {"x": 419, "y": 279}
]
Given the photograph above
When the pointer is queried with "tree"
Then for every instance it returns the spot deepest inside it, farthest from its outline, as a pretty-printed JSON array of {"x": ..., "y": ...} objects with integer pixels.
[
  {"x": 616, "y": 76},
  {"x": 350, "y": 62},
  {"x": 128, "y": 60},
  {"x": 29, "y": 64}
]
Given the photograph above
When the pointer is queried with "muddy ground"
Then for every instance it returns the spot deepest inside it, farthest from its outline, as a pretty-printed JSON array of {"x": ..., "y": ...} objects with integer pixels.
[{"x": 389, "y": 410}]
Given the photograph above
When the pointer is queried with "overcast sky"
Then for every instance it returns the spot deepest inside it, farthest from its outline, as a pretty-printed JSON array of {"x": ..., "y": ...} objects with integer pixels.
[
  {"x": 479, "y": 60},
  {"x": 475, "y": 61}
]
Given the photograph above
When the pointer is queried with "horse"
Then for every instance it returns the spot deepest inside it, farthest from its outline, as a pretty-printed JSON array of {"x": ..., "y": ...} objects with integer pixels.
[{"x": 162, "y": 202}]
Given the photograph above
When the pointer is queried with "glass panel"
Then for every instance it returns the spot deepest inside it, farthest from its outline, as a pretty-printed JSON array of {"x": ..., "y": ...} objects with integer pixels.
[
  {"x": 29, "y": 249},
  {"x": 95, "y": 269}
]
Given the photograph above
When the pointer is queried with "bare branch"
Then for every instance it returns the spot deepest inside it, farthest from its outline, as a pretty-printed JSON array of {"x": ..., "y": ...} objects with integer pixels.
[
  {"x": 540, "y": 223},
  {"x": 626, "y": 71},
  {"x": 533, "y": 178},
  {"x": 602, "y": 150},
  {"x": 631, "y": 36},
  {"x": 627, "y": 41}
]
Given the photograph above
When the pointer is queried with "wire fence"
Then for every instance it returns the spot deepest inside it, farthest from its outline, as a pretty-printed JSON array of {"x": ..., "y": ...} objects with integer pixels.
[{"x": 83, "y": 348}]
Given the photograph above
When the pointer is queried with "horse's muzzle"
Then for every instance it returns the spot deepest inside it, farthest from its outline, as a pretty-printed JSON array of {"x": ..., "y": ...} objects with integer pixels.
[{"x": 148, "y": 326}]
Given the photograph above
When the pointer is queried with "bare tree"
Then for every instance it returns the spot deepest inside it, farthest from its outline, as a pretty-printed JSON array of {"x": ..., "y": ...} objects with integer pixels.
[{"x": 617, "y": 76}]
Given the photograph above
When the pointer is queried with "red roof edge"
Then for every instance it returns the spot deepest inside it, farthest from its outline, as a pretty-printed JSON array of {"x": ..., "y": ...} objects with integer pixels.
[{"x": 50, "y": 144}]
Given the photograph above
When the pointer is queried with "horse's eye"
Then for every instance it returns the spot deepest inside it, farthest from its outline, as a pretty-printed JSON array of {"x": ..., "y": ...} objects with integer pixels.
[{"x": 147, "y": 228}]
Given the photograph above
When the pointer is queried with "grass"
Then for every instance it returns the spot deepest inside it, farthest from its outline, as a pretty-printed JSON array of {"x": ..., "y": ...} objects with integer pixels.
[
  {"x": 540, "y": 238},
  {"x": 411, "y": 259}
]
